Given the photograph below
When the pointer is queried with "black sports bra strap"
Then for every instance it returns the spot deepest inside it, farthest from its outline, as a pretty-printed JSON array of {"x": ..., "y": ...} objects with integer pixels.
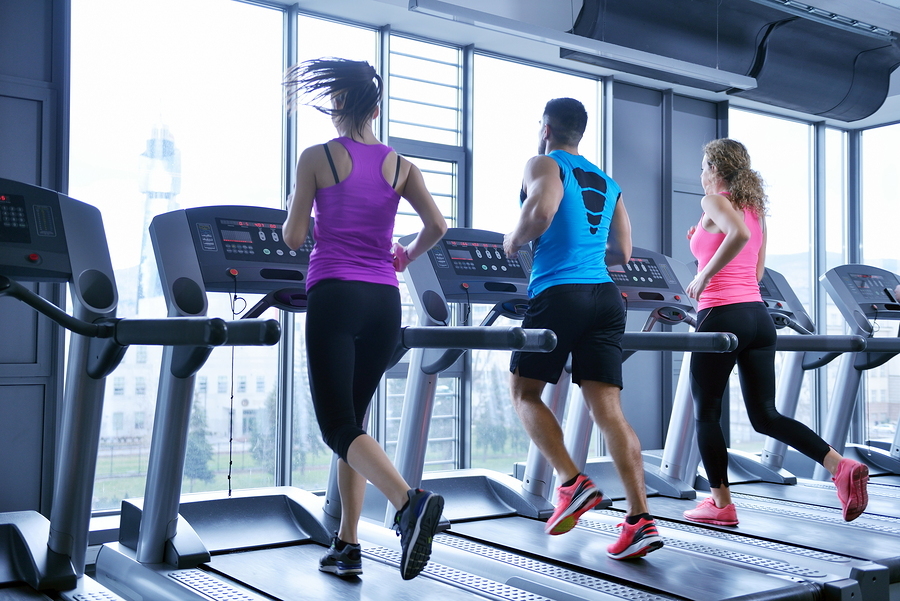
[
  {"x": 331, "y": 162},
  {"x": 396, "y": 173}
]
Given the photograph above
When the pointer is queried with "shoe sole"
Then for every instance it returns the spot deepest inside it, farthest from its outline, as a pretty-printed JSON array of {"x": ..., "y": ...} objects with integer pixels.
[
  {"x": 568, "y": 521},
  {"x": 342, "y": 572},
  {"x": 859, "y": 496},
  {"x": 640, "y": 548},
  {"x": 419, "y": 551}
]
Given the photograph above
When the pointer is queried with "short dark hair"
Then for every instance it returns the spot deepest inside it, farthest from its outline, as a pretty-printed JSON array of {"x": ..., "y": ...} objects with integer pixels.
[{"x": 567, "y": 119}]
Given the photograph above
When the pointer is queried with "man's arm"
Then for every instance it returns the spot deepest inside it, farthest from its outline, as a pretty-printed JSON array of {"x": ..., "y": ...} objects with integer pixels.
[
  {"x": 544, "y": 191},
  {"x": 618, "y": 244}
]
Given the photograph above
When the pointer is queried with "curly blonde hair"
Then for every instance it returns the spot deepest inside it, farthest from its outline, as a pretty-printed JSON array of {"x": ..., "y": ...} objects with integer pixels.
[{"x": 732, "y": 163}]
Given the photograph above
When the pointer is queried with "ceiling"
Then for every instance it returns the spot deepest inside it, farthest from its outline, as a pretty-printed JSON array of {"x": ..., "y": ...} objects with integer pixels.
[{"x": 560, "y": 15}]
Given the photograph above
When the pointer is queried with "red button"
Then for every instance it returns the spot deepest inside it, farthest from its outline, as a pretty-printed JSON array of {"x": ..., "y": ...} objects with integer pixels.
[{"x": 34, "y": 258}]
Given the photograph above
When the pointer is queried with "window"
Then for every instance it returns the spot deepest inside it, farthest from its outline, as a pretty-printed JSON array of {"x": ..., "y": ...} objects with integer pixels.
[
  {"x": 118, "y": 385},
  {"x": 242, "y": 384},
  {"x": 781, "y": 151},
  {"x": 140, "y": 386},
  {"x": 201, "y": 384},
  {"x": 310, "y": 457},
  {"x": 222, "y": 384},
  {"x": 151, "y": 134},
  {"x": 140, "y": 354},
  {"x": 879, "y": 249},
  {"x": 260, "y": 383},
  {"x": 139, "y": 420},
  {"x": 509, "y": 99},
  {"x": 425, "y": 91}
]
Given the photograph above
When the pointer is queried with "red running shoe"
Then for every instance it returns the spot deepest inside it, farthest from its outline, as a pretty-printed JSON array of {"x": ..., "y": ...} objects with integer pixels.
[
  {"x": 851, "y": 480},
  {"x": 636, "y": 540},
  {"x": 707, "y": 513},
  {"x": 572, "y": 502}
]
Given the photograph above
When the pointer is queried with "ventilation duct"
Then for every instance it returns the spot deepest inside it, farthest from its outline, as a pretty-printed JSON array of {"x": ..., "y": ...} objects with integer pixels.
[{"x": 802, "y": 58}]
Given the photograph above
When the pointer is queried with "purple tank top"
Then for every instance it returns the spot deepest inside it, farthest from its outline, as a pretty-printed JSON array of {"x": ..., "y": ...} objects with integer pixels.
[{"x": 354, "y": 222}]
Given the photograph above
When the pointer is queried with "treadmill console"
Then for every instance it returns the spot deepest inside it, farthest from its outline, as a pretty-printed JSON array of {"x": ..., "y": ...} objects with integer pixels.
[
  {"x": 239, "y": 247},
  {"x": 469, "y": 266},
  {"x": 32, "y": 241},
  {"x": 863, "y": 293}
]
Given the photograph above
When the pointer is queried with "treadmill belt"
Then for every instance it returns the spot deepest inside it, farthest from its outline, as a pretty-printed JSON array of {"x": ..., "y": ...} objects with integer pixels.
[
  {"x": 821, "y": 494},
  {"x": 293, "y": 573},
  {"x": 864, "y": 538},
  {"x": 670, "y": 571}
]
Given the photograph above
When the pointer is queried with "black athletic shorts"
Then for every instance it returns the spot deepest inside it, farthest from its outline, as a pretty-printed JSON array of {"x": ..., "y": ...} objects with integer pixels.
[{"x": 589, "y": 320}]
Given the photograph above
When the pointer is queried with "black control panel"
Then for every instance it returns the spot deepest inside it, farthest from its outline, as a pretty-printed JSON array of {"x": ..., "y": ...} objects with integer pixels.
[
  {"x": 470, "y": 266},
  {"x": 863, "y": 290},
  {"x": 32, "y": 242},
  {"x": 241, "y": 248}
]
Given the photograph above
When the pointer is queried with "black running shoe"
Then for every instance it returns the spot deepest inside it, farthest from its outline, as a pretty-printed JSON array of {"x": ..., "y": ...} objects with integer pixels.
[
  {"x": 416, "y": 524},
  {"x": 347, "y": 562}
]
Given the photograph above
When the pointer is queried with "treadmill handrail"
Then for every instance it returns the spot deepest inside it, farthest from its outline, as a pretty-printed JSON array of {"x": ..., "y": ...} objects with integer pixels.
[
  {"x": 821, "y": 343},
  {"x": 478, "y": 337},
  {"x": 170, "y": 331},
  {"x": 709, "y": 342}
]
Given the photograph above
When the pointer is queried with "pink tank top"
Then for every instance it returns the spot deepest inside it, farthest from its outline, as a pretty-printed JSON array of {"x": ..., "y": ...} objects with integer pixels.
[
  {"x": 354, "y": 222},
  {"x": 736, "y": 282}
]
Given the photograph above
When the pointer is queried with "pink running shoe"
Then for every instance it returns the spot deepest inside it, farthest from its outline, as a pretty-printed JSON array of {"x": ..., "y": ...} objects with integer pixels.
[
  {"x": 572, "y": 502},
  {"x": 851, "y": 480},
  {"x": 636, "y": 540},
  {"x": 707, "y": 513}
]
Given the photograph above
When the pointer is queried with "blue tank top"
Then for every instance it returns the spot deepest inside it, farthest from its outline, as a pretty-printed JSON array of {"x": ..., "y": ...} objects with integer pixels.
[{"x": 573, "y": 249}]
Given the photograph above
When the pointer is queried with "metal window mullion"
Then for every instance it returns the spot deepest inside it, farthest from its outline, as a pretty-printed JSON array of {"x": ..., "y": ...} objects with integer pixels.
[
  {"x": 284, "y": 396},
  {"x": 426, "y": 81},
  {"x": 422, "y": 58},
  {"x": 423, "y": 126},
  {"x": 820, "y": 260},
  {"x": 423, "y": 103}
]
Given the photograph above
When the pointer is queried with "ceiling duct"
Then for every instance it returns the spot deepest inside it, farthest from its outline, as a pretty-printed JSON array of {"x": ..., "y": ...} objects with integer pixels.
[{"x": 802, "y": 58}]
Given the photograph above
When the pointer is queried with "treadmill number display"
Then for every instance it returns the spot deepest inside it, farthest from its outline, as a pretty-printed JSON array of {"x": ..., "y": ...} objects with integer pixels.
[
  {"x": 868, "y": 285},
  {"x": 476, "y": 258},
  {"x": 638, "y": 273}
]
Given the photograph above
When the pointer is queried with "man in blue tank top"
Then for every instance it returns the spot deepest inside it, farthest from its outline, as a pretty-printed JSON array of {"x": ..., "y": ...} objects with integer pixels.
[{"x": 574, "y": 215}]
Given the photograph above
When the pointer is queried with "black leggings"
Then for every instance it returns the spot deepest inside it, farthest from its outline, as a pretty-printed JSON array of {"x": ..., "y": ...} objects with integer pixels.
[
  {"x": 755, "y": 358},
  {"x": 352, "y": 331}
]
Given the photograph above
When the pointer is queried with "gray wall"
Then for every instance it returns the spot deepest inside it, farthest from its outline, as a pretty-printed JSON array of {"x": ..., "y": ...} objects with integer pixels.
[
  {"x": 33, "y": 41},
  {"x": 657, "y": 142}
]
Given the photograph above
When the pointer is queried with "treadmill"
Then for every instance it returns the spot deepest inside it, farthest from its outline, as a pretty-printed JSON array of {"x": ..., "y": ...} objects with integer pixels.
[
  {"x": 865, "y": 297},
  {"x": 776, "y": 454},
  {"x": 493, "y": 537},
  {"x": 788, "y": 521},
  {"x": 260, "y": 543},
  {"x": 51, "y": 237}
]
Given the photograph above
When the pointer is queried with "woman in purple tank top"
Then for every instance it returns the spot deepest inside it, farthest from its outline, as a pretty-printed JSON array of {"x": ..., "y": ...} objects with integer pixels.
[
  {"x": 730, "y": 246},
  {"x": 354, "y": 183}
]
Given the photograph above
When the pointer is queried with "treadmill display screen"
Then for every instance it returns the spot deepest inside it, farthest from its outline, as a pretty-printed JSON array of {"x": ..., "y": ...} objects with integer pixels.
[
  {"x": 638, "y": 273},
  {"x": 869, "y": 285},
  {"x": 477, "y": 259},
  {"x": 248, "y": 241}
]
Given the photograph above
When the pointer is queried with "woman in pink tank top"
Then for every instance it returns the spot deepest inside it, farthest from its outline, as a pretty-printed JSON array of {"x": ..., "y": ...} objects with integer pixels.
[
  {"x": 354, "y": 184},
  {"x": 730, "y": 246}
]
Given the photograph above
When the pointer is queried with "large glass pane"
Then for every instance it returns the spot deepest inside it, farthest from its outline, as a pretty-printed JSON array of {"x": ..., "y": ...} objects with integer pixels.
[
  {"x": 507, "y": 114},
  {"x": 318, "y": 38},
  {"x": 781, "y": 151},
  {"x": 880, "y": 211},
  {"x": 425, "y": 91},
  {"x": 185, "y": 111},
  {"x": 508, "y": 105}
]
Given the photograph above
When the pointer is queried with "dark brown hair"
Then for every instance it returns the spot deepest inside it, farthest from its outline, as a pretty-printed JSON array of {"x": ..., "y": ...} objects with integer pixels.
[{"x": 355, "y": 83}]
